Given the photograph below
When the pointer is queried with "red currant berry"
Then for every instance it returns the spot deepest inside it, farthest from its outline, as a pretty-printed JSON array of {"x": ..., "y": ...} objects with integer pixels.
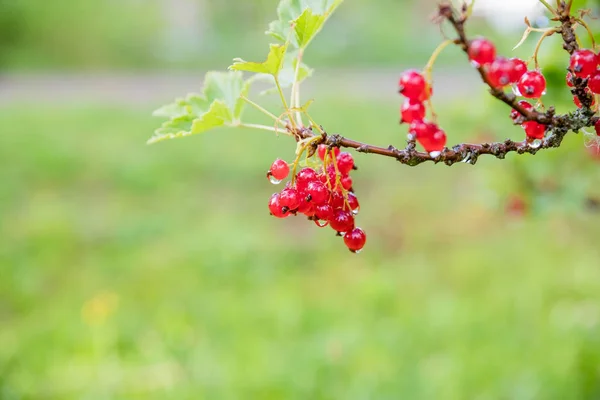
[
  {"x": 532, "y": 85},
  {"x": 279, "y": 171},
  {"x": 583, "y": 63},
  {"x": 434, "y": 140},
  {"x": 318, "y": 192},
  {"x": 290, "y": 199},
  {"x": 519, "y": 67},
  {"x": 336, "y": 200},
  {"x": 534, "y": 130},
  {"x": 419, "y": 129},
  {"x": 275, "y": 207},
  {"x": 482, "y": 51},
  {"x": 594, "y": 82},
  {"x": 342, "y": 221},
  {"x": 324, "y": 212},
  {"x": 305, "y": 206},
  {"x": 569, "y": 79},
  {"x": 345, "y": 163},
  {"x": 514, "y": 114},
  {"x": 412, "y": 84},
  {"x": 427, "y": 93},
  {"x": 412, "y": 110},
  {"x": 352, "y": 203},
  {"x": 324, "y": 149},
  {"x": 347, "y": 182},
  {"x": 500, "y": 72},
  {"x": 578, "y": 103},
  {"x": 304, "y": 177},
  {"x": 355, "y": 240}
]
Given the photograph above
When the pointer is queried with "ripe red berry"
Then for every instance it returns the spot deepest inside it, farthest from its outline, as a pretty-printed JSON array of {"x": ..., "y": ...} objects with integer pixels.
[
  {"x": 412, "y": 110},
  {"x": 345, "y": 163},
  {"x": 534, "y": 130},
  {"x": 275, "y": 207},
  {"x": 290, "y": 199},
  {"x": 322, "y": 149},
  {"x": 500, "y": 72},
  {"x": 305, "y": 206},
  {"x": 578, "y": 103},
  {"x": 304, "y": 177},
  {"x": 427, "y": 93},
  {"x": 519, "y": 67},
  {"x": 412, "y": 84},
  {"x": 342, "y": 221},
  {"x": 336, "y": 200},
  {"x": 594, "y": 82},
  {"x": 279, "y": 170},
  {"x": 433, "y": 139},
  {"x": 352, "y": 203},
  {"x": 419, "y": 129},
  {"x": 583, "y": 63},
  {"x": 355, "y": 240},
  {"x": 482, "y": 51},
  {"x": 318, "y": 192},
  {"x": 532, "y": 85},
  {"x": 514, "y": 114},
  {"x": 324, "y": 212},
  {"x": 347, "y": 182}
]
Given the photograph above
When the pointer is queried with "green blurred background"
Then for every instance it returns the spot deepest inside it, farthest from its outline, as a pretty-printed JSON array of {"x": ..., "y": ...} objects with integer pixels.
[{"x": 151, "y": 272}]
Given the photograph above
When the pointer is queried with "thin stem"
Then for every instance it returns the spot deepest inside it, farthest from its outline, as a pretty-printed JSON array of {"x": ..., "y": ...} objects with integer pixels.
[
  {"x": 549, "y": 7},
  {"x": 546, "y": 34},
  {"x": 295, "y": 96},
  {"x": 589, "y": 30},
  {"x": 429, "y": 66},
  {"x": 262, "y": 109},
  {"x": 285, "y": 104},
  {"x": 261, "y": 127}
]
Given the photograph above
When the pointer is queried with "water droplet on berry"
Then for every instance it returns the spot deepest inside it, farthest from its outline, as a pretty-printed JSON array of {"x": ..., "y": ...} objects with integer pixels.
[
  {"x": 321, "y": 223},
  {"x": 273, "y": 180},
  {"x": 434, "y": 154},
  {"x": 535, "y": 143}
]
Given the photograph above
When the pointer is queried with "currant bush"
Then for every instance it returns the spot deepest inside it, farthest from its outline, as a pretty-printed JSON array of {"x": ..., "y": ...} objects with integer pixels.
[{"x": 318, "y": 180}]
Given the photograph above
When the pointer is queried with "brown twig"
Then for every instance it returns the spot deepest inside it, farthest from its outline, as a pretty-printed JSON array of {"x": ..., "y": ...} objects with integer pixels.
[{"x": 557, "y": 125}]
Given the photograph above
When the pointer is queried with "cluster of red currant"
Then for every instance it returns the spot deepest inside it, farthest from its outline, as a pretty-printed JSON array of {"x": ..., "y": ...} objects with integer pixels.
[
  {"x": 502, "y": 72},
  {"x": 416, "y": 90},
  {"x": 584, "y": 64},
  {"x": 324, "y": 194}
]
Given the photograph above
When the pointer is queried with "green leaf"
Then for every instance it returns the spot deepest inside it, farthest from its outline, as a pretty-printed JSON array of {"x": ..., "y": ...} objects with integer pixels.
[
  {"x": 306, "y": 24},
  {"x": 220, "y": 103},
  {"x": 217, "y": 115},
  {"x": 287, "y": 73},
  {"x": 272, "y": 66}
]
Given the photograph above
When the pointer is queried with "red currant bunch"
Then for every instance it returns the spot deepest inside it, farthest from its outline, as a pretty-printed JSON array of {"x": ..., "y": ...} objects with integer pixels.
[
  {"x": 416, "y": 90},
  {"x": 584, "y": 64},
  {"x": 322, "y": 192}
]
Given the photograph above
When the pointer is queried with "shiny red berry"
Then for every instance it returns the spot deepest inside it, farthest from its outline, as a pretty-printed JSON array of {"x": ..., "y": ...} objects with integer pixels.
[
  {"x": 583, "y": 63},
  {"x": 342, "y": 221},
  {"x": 352, "y": 203},
  {"x": 323, "y": 149},
  {"x": 290, "y": 198},
  {"x": 433, "y": 139},
  {"x": 569, "y": 79},
  {"x": 532, "y": 85},
  {"x": 304, "y": 177},
  {"x": 519, "y": 67},
  {"x": 482, "y": 51},
  {"x": 355, "y": 239},
  {"x": 412, "y": 84},
  {"x": 279, "y": 170},
  {"x": 324, "y": 212},
  {"x": 318, "y": 192},
  {"x": 412, "y": 110},
  {"x": 336, "y": 200},
  {"x": 594, "y": 82},
  {"x": 275, "y": 207},
  {"x": 345, "y": 163},
  {"x": 534, "y": 130},
  {"x": 346, "y": 182},
  {"x": 500, "y": 72}
]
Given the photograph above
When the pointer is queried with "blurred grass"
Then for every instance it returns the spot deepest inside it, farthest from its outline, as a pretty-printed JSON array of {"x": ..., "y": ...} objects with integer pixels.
[{"x": 155, "y": 272}]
